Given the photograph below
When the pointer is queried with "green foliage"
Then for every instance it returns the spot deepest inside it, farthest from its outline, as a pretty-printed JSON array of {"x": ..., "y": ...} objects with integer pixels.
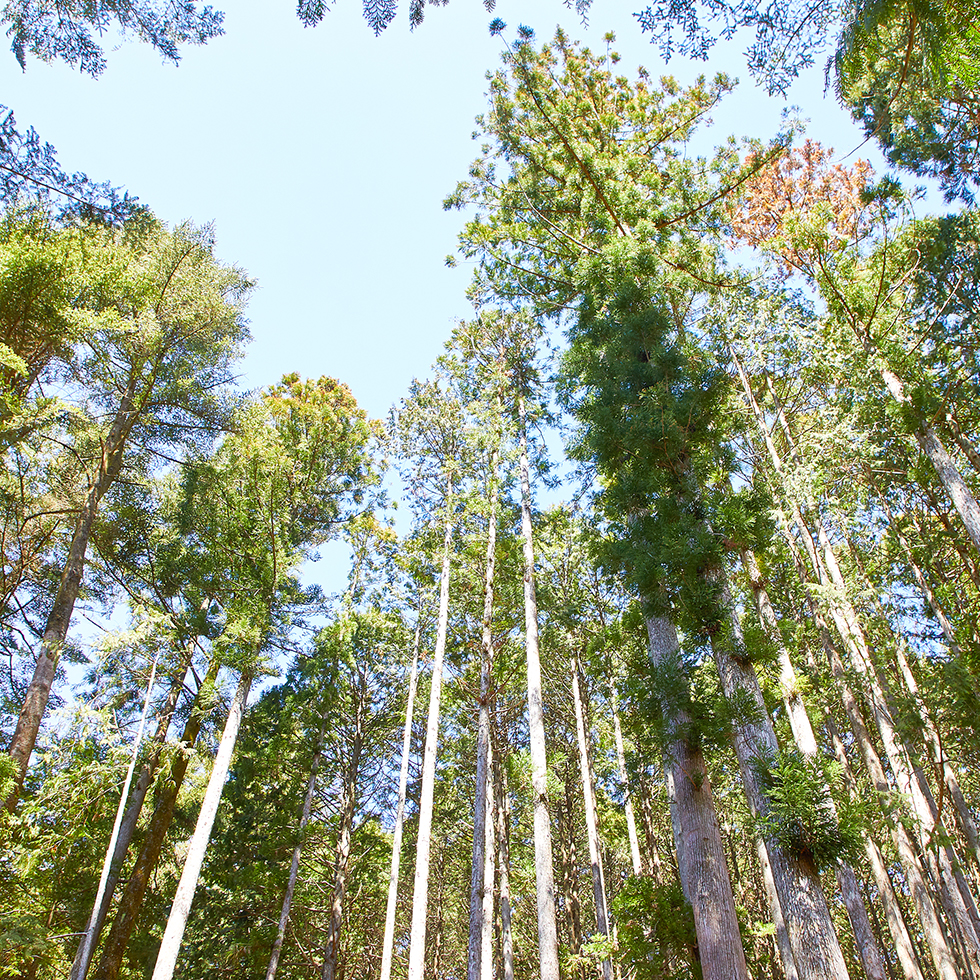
[
  {"x": 799, "y": 816},
  {"x": 655, "y": 926}
]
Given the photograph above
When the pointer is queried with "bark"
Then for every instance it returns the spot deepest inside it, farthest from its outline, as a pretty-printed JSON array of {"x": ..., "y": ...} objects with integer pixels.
[
  {"x": 181, "y": 908},
  {"x": 850, "y": 632},
  {"x": 816, "y": 949},
  {"x": 967, "y": 447},
  {"x": 922, "y": 899},
  {"x": 486, "y": 964},
  {"x": 700, "y": 852},
  {"x": 331, "y": 951},
  {"x": 131, "y": 901},
  {"x": 946, "y": 469},
  {"x": 304, "y": 819},
  {"x": 59, "y": 618},
  {"x": 396, "y": 845},
  {"x": 870, "y": 955},
  {"x": 87, "y": 945},
  {"x": 592, "y": 830},
  {"x": 624, "y": 778},
  {"x": 474, "y": 957},
  {"x": 543, "y": 864},
  {"x": 420, "y": 899},
  {"x": 127, "y": 827},
  {"x": 503, "y": 865}
]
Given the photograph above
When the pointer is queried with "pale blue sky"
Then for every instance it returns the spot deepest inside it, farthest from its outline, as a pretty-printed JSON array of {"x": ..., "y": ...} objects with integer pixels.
[{"x": 323, "y": 155}]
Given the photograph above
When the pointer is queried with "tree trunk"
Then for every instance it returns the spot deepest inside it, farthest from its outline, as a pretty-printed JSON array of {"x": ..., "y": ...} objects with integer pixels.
[
  {"x": 486, "y": 964},
  {"x": 592, "y": 831},
  {"x": 503, "y": 864},
  {"x": 474, "y": 955},
  {"x": 331, "y": 951},
  {"x": 59, "y": 618},
  {"x": 127, "y": 827},
  {"x": 181, "y": 908},
  {"x": 131, "y": 901},
  {"x": 87, "y": 945},
  {"x": 624, "y": 778},
  {"x": 816, "y": 950},
  {"x": 543, "y": 865},
  {"x": 864, "y": 937},
  {"x": 420, "y": 899},
  {"x": 396, "y": 844},
  {"x": 304, "y": 819},
  {"x": 700, "y": 853}
]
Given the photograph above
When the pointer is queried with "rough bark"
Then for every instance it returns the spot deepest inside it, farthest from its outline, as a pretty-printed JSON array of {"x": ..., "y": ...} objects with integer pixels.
[
  {"x": 816, "y": 949},
  {"x": 420, "y": 898},
  {"x": 181, "y": 908},
  {"x": 543, "y": 864},
  {"x": 396, "y": 844},
  {"x": 700, "y": 852},
  {"x": 864, "y": 938},
  {"x": 503, "y": 866}
]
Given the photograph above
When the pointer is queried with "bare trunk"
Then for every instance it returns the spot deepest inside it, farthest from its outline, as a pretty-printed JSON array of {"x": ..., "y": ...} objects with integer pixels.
[
  {"x": 474, "y": 957},
  {"x": 592, "y": 830},
  {"x": 87, "y": 946},
  {"x": 624, "y": 778},
  {"x": 127, "y": 829},
  {"x": 420, "y": 899},
  {"x": 700, "y": 852},
  {"x": 131, "y": 901},
  {"x": 503, "y": 865},
  {"x": 331, "y": 951},
  {"x": 304, "y": 819},
  {"x": 543, "y": 865},
  {"x": 486, "y": 964},
  {"x": 816, "y": 950},
  {"x": 59, "y": 618},
  {"x": 181, "y": 908},
  {"x": 396, "y": 844},
  {"x": 864, "y": 937}
]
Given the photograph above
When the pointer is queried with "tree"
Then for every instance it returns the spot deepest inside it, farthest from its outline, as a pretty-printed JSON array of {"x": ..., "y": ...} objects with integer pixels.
[{"x": 164, "y": 322}]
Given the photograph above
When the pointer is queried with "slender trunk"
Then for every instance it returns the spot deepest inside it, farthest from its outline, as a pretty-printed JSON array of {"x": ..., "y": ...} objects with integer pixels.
[
  {"x": 503, "y": 864},
  {"x": 967, "y": 447},
  {"x": 331, "y": 951},
  {"x": 127, "y": 827},
  {"x": 624, "y": 778},
  {"x": 904, "y": 947},
  {"x": 700, "y": 852},
  {"x": 864, "y": 937},
  {"x": 486, "y": 965},
  {"x": 850, "y": 633},
  {"x": 921, "y": 581},
  {"x": 181, "y": 908},
  {"x": 816, "y": 949},
  {"x": 543, "y": 865},
  {"x": 474, "y": 956},
  {"x": 59, "y": 618},
  {"x": 131, "y": 901},
  {"x": 568, "y": 864},
  {"x": 304, "y": 819},
  {"x": 592, "y": 831},
  {"x": 946, "y": 469},
  {"x": 87, "y": 945},
  {"x": 420, "y": 899},
  {"x": 396, "y": 844}
]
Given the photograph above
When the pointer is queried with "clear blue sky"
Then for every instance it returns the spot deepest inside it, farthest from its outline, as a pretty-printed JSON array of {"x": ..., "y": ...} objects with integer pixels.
[{"x": 323, "y": 155}]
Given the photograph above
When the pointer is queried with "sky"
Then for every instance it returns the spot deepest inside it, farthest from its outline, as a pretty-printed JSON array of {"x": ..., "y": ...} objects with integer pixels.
[{"x": 322, "y": 155}]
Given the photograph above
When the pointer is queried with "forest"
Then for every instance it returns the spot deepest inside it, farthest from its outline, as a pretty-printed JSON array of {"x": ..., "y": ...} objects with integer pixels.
[{"x": 657, "y": 653}]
